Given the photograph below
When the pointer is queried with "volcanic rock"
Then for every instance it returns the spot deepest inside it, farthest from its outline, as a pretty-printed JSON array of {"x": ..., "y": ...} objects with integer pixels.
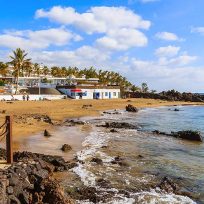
[
  {"x": 66, "y": 148},
  {"x": 131, "y": 108}
]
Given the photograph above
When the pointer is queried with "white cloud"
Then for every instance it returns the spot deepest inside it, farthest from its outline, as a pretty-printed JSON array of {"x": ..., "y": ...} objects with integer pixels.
[
  {"x": 96, "y": 20},
  {"x": 176, "y": 73},
  {"x": 168, "y": 36},
  {"x": 119, "y": 25},
  {"x": 122, "y": 39},
  {"x": 197, "y": 30},
  {"x": 84, "y": 56},
  {"x": 168, "y": 51},
  {"x": 142, "y": 1},
  {"x": 28, "y": 39}
]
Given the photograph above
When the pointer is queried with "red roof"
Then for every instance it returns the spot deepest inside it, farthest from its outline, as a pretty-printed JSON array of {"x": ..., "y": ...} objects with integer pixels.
[{"x": 76, "y": 90}]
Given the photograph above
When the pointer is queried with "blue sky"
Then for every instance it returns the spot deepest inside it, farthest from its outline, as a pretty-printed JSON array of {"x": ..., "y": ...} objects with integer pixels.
[{"x": 155, "y": 41}]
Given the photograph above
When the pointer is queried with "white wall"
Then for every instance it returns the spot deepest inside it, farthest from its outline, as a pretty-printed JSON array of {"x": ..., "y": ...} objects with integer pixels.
[
  {"x": 32, "y": 97},
  {"x": 90, "y": 93}
]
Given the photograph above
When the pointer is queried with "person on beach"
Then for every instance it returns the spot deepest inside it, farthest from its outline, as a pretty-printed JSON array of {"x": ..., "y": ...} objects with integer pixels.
[
  {"x": 28, "y": 97},
  {"x": 23, "y": 97}
]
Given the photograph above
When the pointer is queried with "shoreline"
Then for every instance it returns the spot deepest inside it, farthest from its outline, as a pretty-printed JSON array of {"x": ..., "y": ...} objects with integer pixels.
[
  {"x": 31, "y": 118},
  {"x": 83, "y": 189},
  {"x": 28, "y": 115}
]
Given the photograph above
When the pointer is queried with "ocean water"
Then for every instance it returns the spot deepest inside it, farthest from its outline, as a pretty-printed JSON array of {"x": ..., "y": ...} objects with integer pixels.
[{"x": 135, "y": 181}]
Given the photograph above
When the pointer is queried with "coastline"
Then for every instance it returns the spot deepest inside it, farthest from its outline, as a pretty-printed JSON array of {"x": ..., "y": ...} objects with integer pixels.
[
  {"x": 28, "y": 114},
  {"x": 114, "y": 153}
]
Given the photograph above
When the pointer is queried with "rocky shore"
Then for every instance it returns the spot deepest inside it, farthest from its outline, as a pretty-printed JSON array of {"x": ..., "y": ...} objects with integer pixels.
[
  {"x": 171, "y": 95},
  {"x": 29, "y": 180}
]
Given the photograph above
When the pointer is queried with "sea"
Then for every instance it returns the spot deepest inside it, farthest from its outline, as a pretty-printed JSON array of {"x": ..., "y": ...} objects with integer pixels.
[
  {"x": 147, "y": 158},
  {"x": 143, "y": 158}
]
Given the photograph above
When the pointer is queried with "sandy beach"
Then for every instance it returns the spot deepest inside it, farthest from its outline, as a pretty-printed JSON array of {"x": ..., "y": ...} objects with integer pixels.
[{"x": 24, "y": 124}]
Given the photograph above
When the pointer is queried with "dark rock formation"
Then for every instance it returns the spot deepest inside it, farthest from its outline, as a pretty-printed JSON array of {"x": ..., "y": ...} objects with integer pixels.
[
  {"x": 168, "y": 185},
  {"x": 87, "y": 106},
  {"x": 120, "y": 161},
  {"x": 56, "y": 163},
  {"x": 74, "y": 122},
  {"x": 30, "y": 182},
  {"x": 66, "y": 148},
  {"x": 186, "y": 135},
  {"x": 97, "y": 160},
  {"x": 120, "y": 125},
  {"x": 113, "y": 130},
  {"x": 171, "y": 95},
  {"x": 131, "y": 108},
  {"x": 83, "y": 193},
  {"x": 47, "y": 133}
]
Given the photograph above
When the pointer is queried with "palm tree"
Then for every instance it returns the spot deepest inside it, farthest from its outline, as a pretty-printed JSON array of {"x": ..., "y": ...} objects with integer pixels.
[
  {"x": 27, "y": 69},
  {"x": 3, "y": 69},
  {"x": 145, "y": 88},
  {"x": 45, "y": 70},
  {"x": 37, "y": 69},
  {"x": 135, "y": 88},
  {"x": 18, "y": 61}
]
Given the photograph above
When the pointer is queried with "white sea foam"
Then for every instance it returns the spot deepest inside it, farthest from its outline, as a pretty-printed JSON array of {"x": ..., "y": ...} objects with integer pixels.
[
  {"x": 86, "y": 176},
  {"x": 153, "y": 197}
]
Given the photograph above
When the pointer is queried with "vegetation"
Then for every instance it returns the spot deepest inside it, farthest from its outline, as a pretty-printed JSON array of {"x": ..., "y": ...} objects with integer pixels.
[
  {"x": 21, "y": 66},
  {"x": 19, "y": 63}
]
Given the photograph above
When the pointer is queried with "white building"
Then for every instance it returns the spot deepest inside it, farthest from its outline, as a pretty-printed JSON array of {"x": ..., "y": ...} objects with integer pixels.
[{"x": 91, "y": 92}]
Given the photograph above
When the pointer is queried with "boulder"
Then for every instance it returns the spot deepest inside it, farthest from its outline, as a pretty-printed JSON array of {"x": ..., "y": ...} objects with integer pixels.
[
  {"x": 188, "y": 135},
  {"x": 66, "y": 148},
  {"x": 46, "y": 133},
  {"x": 113, "y": 130},
  {"x": 97, "y": 160},
  {"x": 103, "y": 183},
  {"x": 168, "y": 185},
  {"x": 131, "y": 108}
]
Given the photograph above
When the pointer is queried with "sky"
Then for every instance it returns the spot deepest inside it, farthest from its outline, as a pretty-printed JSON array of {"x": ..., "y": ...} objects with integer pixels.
[{"x": 159, "y": 42}]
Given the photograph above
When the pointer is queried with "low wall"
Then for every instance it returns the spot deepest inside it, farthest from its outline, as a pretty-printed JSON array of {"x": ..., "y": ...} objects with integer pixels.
[{"x": 32, "y": 97}]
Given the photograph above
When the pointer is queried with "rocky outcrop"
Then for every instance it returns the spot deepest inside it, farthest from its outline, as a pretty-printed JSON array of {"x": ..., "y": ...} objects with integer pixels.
[
  {"x": 120, "y": 125},
  {"x": 186, "y": 135},
  {"x": 30, "y": 182},
  {"x": 131, "y": 108},
  {"x": 171, "y": 95},
  {"x": 57, "y": 163}
]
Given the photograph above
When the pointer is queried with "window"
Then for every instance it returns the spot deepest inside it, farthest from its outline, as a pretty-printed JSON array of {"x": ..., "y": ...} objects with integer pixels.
[
  {"x": 106, "y": 93},
  {"x": 85, "y": 93},
  {"x": 72, "y": 94},
  {"x": 114, "y": 93}
]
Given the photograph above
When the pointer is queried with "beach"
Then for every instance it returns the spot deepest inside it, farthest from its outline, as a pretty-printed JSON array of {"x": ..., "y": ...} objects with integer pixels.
[{"x": 58, "y": 110}]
